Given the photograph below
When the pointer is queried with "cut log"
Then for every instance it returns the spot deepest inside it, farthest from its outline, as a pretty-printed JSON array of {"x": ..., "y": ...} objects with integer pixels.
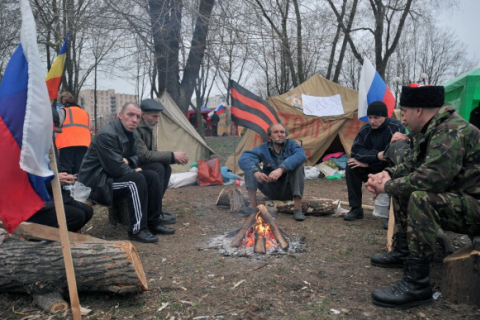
[
  {"x": 51, "y": 302},
  {"x": 314, "y": 207},
  {"x": 260, "y": 244},
  {"x": 225, "y": 194},
  {"x": 236, "y": 200},
  {"x": 461, "y": 277},
  {"x": 319, "y": 207},
  {"x": 99, "y": 266},
  {"x": 237, "y": 240},
  {"x": 277, "y": 232}
]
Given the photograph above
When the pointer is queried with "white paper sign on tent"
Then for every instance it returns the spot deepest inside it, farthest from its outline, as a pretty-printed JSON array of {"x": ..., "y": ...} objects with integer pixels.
[{"x": 322, "y": 106}]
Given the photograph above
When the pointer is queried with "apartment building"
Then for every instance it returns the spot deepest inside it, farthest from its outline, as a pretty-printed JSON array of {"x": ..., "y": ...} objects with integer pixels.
[{"x": 109, "y": 104}]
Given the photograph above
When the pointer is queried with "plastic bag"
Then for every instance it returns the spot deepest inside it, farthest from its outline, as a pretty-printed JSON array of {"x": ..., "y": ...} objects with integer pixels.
[
  {"x": 80, "y": 192},
  {"x": 183, "y": 179},
  {"x": 311, "y": 172},
  {"x": 209, "y": 172}
]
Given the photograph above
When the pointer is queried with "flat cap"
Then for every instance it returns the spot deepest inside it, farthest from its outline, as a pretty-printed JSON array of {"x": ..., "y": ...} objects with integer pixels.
[{"x": 151, "y": 105}]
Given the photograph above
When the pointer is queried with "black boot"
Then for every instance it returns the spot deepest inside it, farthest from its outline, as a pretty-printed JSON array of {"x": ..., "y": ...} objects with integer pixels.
[
  {"x": 413, "y": 290},
  {"x": 394, "y": 258},
  {"x": 354, "y": 214}
]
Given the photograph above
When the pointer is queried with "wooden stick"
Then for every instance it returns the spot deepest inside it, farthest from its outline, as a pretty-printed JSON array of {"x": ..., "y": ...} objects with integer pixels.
[
  {"x": 391, "y": 226},
  {"x": 243, "y": 230},
  {"x": 62, "y": 226},
  {"x": 275, "y": 229},
  {"x": 37, "y": 231},
  {"x": 260, "y": 244}
]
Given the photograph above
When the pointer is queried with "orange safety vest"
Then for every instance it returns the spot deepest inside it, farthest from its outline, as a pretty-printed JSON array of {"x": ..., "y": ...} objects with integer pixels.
[{"x": 75, "y": 129}]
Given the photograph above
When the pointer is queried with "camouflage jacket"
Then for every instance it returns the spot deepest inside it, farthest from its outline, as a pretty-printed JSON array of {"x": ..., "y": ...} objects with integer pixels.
[{"x": 446, "y": 158}]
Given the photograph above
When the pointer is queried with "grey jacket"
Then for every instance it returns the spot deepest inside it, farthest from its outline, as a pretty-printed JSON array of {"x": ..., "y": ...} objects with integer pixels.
[{"x": 147, "y": 146}]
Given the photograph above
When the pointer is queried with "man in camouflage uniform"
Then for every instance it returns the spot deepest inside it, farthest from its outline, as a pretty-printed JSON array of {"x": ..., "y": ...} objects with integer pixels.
[{"x": 436, "y": 186}]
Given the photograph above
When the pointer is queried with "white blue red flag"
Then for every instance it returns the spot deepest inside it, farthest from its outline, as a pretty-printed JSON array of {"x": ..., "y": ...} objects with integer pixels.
[
  {"x": 372, "y": 88},
  {"x": 25, "y": 129}
]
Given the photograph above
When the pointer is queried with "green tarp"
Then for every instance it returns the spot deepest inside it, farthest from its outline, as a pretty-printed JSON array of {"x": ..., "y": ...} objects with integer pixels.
[{"x": 463, "y": 92}]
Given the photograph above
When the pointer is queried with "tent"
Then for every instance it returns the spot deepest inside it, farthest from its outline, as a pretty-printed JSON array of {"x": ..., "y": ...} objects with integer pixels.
[
  {"x": 175, "y": 133},
  {"x": 317, "y": 135},
  {"x": 463, "y": 92}
]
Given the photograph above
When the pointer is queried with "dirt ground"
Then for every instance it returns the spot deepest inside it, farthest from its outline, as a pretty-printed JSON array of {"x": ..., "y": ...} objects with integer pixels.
[{"x": 331, "y": 279}]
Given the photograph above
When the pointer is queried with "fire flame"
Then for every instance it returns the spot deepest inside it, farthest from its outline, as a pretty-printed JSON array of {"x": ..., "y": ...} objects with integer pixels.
[{"x": 260, "y": 228}]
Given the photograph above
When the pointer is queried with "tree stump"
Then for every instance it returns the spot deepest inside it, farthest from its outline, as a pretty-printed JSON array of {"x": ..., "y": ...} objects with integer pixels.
[
  {"x": 461, "y": 277},
  {"x": 38, "y": 267}
]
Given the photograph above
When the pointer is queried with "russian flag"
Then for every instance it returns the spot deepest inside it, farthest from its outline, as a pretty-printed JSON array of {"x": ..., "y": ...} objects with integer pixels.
[
  {"x": 25, "y": 129},
  {"x": 372, "y": 88},
  {"x": 54, "y": 76}
]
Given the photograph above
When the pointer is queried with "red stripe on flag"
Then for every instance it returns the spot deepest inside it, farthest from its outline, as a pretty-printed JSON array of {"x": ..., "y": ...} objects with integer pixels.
[
  {"x": 250, "y": 117},
  {"x": 52, "y": 86},
  {"x": 253, "y": 104},
  {"x": 389, "y": 100}
]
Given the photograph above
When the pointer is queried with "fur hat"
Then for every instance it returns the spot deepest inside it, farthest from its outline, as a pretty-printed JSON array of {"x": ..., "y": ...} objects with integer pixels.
[
  {"x": 415, "y": 96},
  {"x": 151, "y": 105},
  {"x": 377, "y": 108}
]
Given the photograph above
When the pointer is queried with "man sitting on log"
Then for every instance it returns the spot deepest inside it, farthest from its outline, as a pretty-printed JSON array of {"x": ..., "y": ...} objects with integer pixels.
[
  {"x": 436, "y": 186},
  {"x": 367, "y": 154},
  {"x": 110, "y": 168},
  {"x": 282, "y": 175},
  {"x": 153, "y": 159}
]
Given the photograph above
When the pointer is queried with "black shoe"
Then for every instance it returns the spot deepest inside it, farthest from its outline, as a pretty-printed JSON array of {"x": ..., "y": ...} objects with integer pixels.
[
  {"x": 159, "y": 229},
  {"x": 394, "y": 258},
  {"x": 144, "y": 236},
  {"x": 298, "y": 215},
  {"x": 167, "y": 220},
  {"x": 354, "y": 214},
  {"x": 413, "y": 290}
]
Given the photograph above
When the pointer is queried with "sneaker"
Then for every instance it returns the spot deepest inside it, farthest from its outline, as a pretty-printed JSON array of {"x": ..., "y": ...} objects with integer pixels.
[
  {"x": 298, "y": 215},
  {"x": 354, "y": 214},
  {"x": 144, "y": 236}
]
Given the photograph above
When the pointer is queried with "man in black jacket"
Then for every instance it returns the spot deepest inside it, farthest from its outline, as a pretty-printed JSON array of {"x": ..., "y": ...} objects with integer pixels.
[
  {"x": 367, "y": 157},
  {"x": 110, "y": 168}
]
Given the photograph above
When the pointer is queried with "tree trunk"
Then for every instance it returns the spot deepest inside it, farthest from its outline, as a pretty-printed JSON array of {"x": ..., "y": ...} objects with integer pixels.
[
  {"x": 36, "y": 267},
  {"x": 461, "y": 277}
]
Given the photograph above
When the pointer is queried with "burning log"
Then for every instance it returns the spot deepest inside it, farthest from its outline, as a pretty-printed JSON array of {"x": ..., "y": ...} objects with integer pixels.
[
  {"x": 260, "y": 243},
  {"x": 264, "y": 230},
  {"x": 277, "y": 232},
  {"x": 316, "y": 207},
  {"x": 237, "y": 240}
]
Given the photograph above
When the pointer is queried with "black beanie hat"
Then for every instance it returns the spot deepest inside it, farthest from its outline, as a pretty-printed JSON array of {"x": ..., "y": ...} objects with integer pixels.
[
  {"x": 422, "y": 96},
  {"x": 377, "y": 108}
]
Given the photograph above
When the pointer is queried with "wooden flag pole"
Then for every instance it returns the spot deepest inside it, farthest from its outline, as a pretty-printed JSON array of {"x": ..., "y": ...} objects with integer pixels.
[
  {"x": 62, "y": 226},
  {"x": 391, "y": 226}
]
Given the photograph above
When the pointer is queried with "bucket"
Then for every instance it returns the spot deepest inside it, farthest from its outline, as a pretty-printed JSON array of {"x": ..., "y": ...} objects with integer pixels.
[{"x": 382, "y": 205}]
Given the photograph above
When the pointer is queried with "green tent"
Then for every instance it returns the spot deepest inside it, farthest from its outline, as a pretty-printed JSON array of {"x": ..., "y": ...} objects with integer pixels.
[{"x": 463, "y": 92}]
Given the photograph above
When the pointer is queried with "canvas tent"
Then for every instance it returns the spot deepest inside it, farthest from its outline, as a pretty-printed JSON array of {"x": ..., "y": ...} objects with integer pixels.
[
  {"x": 463, "y": 92},
  {"x": 175, "y": 133},
  {"x": 317, "y": 135}
]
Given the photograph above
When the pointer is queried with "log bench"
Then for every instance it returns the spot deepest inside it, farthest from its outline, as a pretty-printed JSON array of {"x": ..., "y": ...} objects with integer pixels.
[{"x": 461, "y": 275}]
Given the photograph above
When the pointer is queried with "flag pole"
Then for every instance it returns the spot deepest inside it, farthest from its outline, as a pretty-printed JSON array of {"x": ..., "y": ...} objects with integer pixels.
[{"x": 65, "y": 241}]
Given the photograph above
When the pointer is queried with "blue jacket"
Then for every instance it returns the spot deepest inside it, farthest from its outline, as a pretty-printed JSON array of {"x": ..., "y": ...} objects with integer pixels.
[
  {"x": 369, "y": 142},
  {"x": 289, "y": 158}
]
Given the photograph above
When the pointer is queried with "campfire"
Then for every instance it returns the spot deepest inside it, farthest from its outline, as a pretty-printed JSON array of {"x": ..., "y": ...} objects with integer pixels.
[
  {"x": 259, "y": 235},
  {"x": 260, "y": 231}
]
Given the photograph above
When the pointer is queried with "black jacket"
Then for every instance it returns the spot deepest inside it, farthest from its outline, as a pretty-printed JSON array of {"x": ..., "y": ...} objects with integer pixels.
[
  {"x": 104, "y": 160},
  {"x": 369, "y": 142}
]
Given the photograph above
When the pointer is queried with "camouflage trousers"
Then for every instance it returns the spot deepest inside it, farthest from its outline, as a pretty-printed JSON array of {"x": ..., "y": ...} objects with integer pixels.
[{"x": 422, "y": 214}]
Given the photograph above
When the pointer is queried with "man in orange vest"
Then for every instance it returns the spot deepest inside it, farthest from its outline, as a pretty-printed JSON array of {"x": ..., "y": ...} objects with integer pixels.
[{"x": 75, "y": 137}]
